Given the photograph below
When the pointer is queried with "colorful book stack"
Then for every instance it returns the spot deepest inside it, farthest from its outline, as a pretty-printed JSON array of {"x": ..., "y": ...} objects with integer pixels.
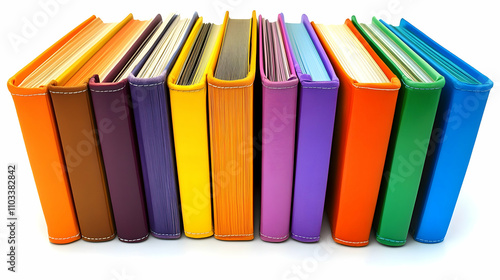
[
  {"x": 148, "y": 127},
  {"x": 416, "y": 107}
]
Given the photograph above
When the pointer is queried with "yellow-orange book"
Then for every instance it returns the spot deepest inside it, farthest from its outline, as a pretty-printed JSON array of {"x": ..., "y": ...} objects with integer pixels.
[{"x": 230, "y": 99}]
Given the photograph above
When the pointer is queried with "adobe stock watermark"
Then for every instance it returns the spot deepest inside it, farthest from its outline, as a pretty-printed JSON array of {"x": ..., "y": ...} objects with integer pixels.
[
  {"x": 454, "y": 119},
  {"x": 280, "y": 119},
  {"x": 122, "y": 107},
  {"x": 392, "y": 8},
  {"x": 221, "y": 6},
  {"x": 31, "y": 25},
  {"x": 74, "y": 155},
  {"x": 123, "y": 274},
  {"x": 12, "y": 222},
  {"x": 310, "y": 265}
]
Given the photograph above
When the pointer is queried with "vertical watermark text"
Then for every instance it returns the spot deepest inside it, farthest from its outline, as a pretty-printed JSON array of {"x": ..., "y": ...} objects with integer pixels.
[{"x": 11, "y": 217}]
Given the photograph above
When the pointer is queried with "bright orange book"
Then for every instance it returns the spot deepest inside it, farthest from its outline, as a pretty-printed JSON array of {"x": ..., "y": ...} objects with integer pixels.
[
  {"x": 29, "y": 89},
  {"x": 365, "y": 112}
]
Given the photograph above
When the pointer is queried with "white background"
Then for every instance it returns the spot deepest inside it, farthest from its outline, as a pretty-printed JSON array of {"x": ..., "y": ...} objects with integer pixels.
[{"x": 470, "y": 251}]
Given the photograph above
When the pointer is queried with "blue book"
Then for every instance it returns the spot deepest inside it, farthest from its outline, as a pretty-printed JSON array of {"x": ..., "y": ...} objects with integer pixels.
[{"x": 458, "y": 117}]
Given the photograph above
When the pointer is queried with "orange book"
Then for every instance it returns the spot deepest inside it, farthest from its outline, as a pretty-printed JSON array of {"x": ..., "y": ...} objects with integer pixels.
[
  {"x": 78, "y": 133},
  {"x": 41, "y": 138},
  {"x": 365, "y": 110},
  {"x": 230, "y": 103}
]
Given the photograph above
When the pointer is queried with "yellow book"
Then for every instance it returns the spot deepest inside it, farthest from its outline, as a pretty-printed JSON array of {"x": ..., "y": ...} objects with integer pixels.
[{"x": 188, "y": 98}]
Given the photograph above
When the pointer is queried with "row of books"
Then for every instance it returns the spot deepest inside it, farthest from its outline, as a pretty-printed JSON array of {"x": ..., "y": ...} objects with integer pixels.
[{"x": 169, "y": 125}]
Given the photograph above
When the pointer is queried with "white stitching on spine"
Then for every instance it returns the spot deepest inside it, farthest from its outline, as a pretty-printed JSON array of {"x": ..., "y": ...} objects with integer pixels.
[
  {"x": 231, "y": 87},
  {"x": 278, "y": 87},
  {"x": 99, "y": 238},
  {"x": 110, "y": 90},
  {"x": 351, "y": 242},
  {"x": 428, "y": 241},
  {"x": 69, "y": 92},
  {"x": 279, "y": 238},
  {"x": 406, "y": 85},
  {"x": 195, "y": 90},
  {"x": 136, "y": 239},
  {"x": 391, "y": 240},
  {"x": 167, "y": 234},
  {"x": 384, "y": 89},
  {"x": 150, "y": 85},
  {"x": 64, "y": 238},
  {"x": 471, "y": 90},
  {"x": 35, "y": 94},
  {"x": 229, "y": 235},
  {"x": 194, "y": 233},
  {"x": 321, "y": 87},
  {"x": 306, "y": 237}
]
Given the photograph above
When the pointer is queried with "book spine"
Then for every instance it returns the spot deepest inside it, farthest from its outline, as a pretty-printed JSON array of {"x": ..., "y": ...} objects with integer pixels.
[
  {"x": 316, "y": 115},
  {"x": 75, "y": 120},
  {"x": 452, "y": 141},
  {"x": 36, "y": 118},
  {"x": 279, "y": 105},
  {"x": 360, "y": 145},
  {"x": 154, "y": 135},
  {"x": 231, "y": 148},
  {"x": 410, "y": 134},
  {"x": 189, "y": 122},
  {"x": 114, "y": 121}
]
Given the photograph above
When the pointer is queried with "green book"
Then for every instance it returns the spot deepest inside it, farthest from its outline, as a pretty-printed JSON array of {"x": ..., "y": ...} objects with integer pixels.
[{"x": 416, "y": 108}]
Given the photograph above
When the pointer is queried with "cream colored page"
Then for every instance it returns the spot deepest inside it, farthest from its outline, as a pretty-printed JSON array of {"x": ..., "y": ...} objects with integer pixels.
[
  {"x": 170, "y": 48},
  {"x": 143, "y": 50},
  {"x": 352, "y": 55},
  {"x": 67, "y": 55},
  {"x": 164, "y": 51},
  {"x": 207, "y": 52},
  {"x": 124, "y": 49},
  {"x": 403, "y": 61},
  {"x": 147, "y": 68}
]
